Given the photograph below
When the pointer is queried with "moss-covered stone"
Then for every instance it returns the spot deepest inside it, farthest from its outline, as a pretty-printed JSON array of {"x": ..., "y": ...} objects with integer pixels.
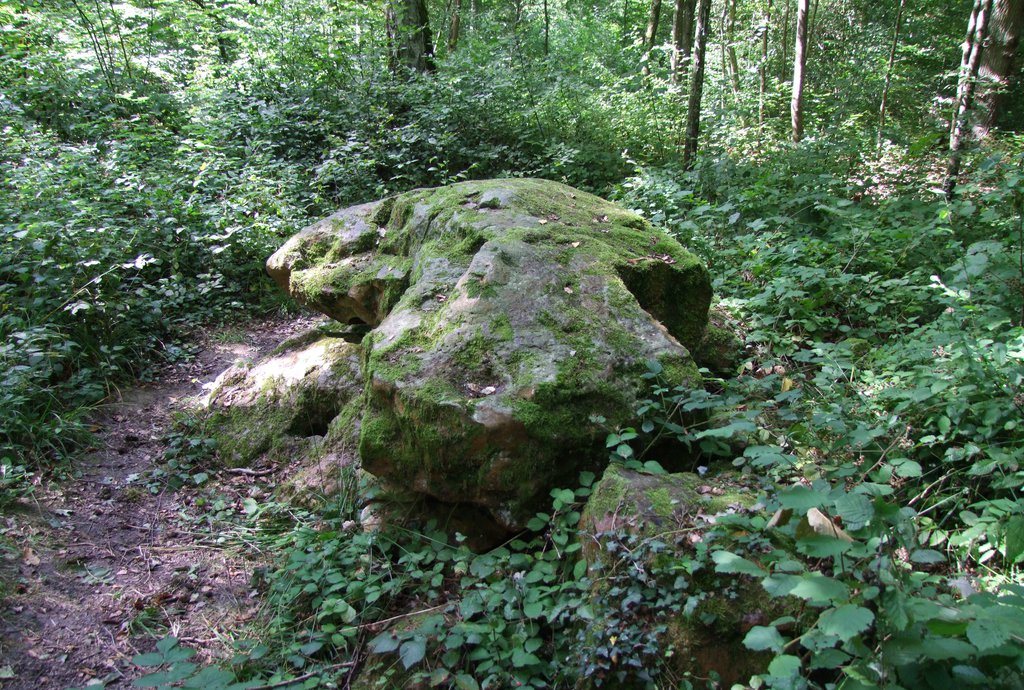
[
  {"x": 677, "y": 509},
  {"x": 291, "y": 401},
  {"x": 721, "y": 347},
  {"x": 507, "y": 314}
]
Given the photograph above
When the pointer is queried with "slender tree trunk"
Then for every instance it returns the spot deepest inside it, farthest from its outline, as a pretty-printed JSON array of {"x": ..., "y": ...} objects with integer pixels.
[
  {"x": 762, "y": 68},
  {"x": 696, "y": 85},
  {"x": 796, "y": 105},
  {"x": 682, "y": 36},
  {"x": 785, "y": 41},
  {"x": 409, "y": 41},
  {"x": 625, "y": 23},
  {"x": 974, "y": 42},
  {"x": 547, "y": 29},
  {"x": 998, "y": 62},
  {"x": 104, "y": 60},
  {"x": 650, "y": 34},
  {"x": 455, "y": 27},
  {"x": 734, "y": 67},
  {"x": 722, "y": 35},
  {"x": 888, "y": 70}
]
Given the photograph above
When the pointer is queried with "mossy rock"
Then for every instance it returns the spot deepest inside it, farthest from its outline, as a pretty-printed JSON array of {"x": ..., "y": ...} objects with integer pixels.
[
  {"x": 508, "y": 316},
  {"x": 721, "y": 348},
  {"x": 299, "y": 406},
  {"x": 706, "y": 634}
]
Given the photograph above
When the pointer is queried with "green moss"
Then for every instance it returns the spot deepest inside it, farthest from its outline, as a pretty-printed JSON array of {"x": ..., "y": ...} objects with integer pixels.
[
  {"x": 661, "y": 501},
  {"x": 719, "y": 350},
  {"x": 501, "y": 328}
]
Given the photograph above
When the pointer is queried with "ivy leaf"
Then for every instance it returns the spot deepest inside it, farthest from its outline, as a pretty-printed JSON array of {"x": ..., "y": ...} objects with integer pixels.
[
  {"x": 845, "y": 621},
  {"x": 412, "y": 652},
  {"x": 761, "y": 638}
]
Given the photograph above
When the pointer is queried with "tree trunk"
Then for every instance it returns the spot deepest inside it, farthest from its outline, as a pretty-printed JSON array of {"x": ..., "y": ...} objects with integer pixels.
[
  {"x": 650, "y": 34},
  {"x": 796, "y": 105},
  {"x": 888, "y": 70},
  {"x": 970, "y": 63},
  {"x": 785, "y": 41},
  {"x": 682, "y": 36},
  {"x": 408, "y": 29},
  {"x": 722, "y": 35},
  {"x": 696, "y": 85},
  {"x": 547, "y": 29},
  {"x": 455, "y": 26},
  {"x": 734, "y": 67},
  {"x": 762, "y": 68},
  {"x": 998, "y": 62}
]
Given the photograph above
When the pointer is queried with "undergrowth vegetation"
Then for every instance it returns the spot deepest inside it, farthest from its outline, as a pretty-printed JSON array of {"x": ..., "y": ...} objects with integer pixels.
[{"x": 153, "y": 155}]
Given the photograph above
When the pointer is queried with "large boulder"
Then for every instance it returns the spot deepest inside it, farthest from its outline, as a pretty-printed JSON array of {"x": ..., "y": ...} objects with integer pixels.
[{"x": 511, "y": 320}]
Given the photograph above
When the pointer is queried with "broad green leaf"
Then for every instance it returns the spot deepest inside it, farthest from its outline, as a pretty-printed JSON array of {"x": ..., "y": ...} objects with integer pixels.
[
  {"x": 1013, "y": 539},
  {"x": 987, "y": 632},
  {"x": 820, "y": 590},
  {"x": 521, "y": 657},
  {"x": 761, "y": 638},
  {"x": 412, "y": 651},
  {"x": 385, "y": 642},
  {"x": 801, "y": 498},
  {"x": 728, "y": 562},
  {"x": 926, "y": 556},
  {"x": 784, "y": 666},
  {"x": 855, "y": 509},
  {"x": 466, "y": 682},
  {"x": 845, "y": 621},
  {"x": 940, "y": 648}
]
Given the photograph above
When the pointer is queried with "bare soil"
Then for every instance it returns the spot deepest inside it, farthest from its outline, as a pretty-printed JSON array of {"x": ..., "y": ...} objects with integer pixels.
[{"x": 98, "y": 567}]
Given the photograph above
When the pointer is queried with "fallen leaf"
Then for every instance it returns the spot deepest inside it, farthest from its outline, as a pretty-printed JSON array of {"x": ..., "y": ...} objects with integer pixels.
[
  {"x": 543, "y": 221},
  {"x": 29, "y": 556}
]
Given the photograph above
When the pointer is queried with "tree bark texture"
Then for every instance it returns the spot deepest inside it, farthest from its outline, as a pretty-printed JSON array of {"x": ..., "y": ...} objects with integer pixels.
[
  {"x": 796, "y": 105},
  {"x": 650, "y": 34},
  {"x": 682, "y": 36},
  {"x": 762, "y": 68},
  {"x": 408, "y": 29},
  {"x": 455, "y": 27},
  {"x": 998, "y": 62},
  {"x": 696, "y": 85},
  {"x": 974, "y": 44},
  {"x": 734, "y": 67}
]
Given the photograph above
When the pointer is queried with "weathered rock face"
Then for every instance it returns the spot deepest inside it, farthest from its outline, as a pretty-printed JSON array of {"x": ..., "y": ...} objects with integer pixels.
[
  {"x": 506, "y": 316},
  {"x": 301, "y": 404}
]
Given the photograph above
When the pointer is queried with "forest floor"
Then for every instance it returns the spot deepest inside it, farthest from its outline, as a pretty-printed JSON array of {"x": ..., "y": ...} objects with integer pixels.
[{"x": 100, "y": 565}]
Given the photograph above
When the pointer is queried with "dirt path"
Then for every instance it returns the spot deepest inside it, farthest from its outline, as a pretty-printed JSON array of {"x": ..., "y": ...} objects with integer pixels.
[{"x": 105, "y": 563}]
